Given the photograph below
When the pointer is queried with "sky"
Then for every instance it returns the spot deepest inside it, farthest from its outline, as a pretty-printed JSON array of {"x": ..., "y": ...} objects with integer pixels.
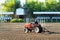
[
  {"x": 23, "y": 1},
  {"x": 41, "y": 0},
  {"x": 2, "y": 1},
  {"x": 44, "y": 0}
]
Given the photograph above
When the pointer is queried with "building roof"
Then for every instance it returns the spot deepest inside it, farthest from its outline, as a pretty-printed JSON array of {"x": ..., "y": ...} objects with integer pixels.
[
  {"x": 6, "y": 13},
  {"x": 46, "y": 12}
]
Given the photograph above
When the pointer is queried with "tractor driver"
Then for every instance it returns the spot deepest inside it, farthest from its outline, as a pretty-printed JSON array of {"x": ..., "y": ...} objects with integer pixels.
[{"x": 36, "y": 21}]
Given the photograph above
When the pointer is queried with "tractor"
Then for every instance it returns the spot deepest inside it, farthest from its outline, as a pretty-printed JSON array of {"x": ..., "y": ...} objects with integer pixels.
[{"x": 29, "y": 27}]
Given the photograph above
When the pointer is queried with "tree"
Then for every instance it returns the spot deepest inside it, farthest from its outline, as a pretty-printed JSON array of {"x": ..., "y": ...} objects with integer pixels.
[
  {"x": 58, "y": 6},
  {"x": 54, "y": 6},
  {"x": 31, "y": 7},
  {"x": 50, "y": 6},
  {"x": 11, "y": 6}
]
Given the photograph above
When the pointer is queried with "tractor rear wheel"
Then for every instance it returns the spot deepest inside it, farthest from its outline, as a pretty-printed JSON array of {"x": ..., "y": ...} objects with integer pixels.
[{"x": 38, "y": 29}]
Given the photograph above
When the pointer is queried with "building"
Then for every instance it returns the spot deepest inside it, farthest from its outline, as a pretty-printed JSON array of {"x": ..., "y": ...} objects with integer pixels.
[
  {"x": 20, "y": 13},
  {"x": 47, "y": 16},
  {"x": 6, "y": 16}
]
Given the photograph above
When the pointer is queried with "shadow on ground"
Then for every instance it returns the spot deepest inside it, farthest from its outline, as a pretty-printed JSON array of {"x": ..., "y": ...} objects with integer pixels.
[{"x": 49, "y": 32}]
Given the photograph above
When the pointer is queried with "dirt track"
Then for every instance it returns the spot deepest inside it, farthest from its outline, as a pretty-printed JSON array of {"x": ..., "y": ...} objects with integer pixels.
[{"x": 14, "y": 31}]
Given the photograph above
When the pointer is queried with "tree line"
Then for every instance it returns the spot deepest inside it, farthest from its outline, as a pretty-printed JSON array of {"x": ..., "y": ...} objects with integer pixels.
[{"x": 12, "y": 5}]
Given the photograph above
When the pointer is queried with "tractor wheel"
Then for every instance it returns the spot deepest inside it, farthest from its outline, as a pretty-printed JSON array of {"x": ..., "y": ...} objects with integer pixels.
[
  {"x": 38, "y": 29},
  {"x": 26, "y": 30}
]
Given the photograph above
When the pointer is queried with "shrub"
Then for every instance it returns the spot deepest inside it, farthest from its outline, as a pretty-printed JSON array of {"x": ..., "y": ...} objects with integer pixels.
[
  {"x": 20, "y": 20},
  {"x": 13, "y": 20},
  {"x": 17, "y": 20}
]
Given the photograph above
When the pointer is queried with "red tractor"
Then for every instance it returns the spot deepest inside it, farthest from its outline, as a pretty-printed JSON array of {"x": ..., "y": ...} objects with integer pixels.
[{"x": 31, "y": 26}]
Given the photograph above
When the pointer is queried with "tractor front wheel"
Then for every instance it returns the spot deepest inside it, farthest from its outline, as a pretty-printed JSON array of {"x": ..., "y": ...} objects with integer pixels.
[{"x": 26, "y": 30}]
